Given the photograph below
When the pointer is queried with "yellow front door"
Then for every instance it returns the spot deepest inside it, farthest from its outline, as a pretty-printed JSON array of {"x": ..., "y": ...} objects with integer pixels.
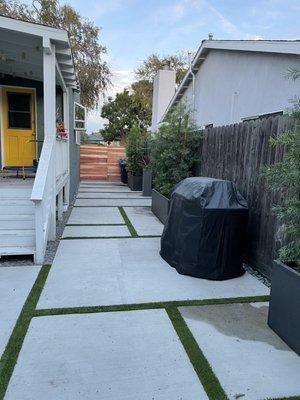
[{"x": 19, "y": 131}]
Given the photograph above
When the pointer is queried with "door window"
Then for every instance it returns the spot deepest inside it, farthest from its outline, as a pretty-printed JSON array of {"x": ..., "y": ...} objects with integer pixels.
[{"x": 19, "y": 110}]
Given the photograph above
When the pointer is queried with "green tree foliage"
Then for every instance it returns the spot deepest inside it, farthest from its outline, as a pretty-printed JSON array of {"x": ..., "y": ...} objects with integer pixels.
[
  {"x": 154, "y": 62},
  {"x": 175, "y": 150},
  {"x": 284, "y": 177},
  {"x": 122, "y": 113},
  {"x": 92, "y": 71},
  {"x": 135, "y": 150}
]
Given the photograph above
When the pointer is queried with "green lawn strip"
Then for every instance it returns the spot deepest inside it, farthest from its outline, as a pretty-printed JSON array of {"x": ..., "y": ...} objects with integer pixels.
[
  {"x": 13, "y": 347},
  {"x": 148, "y": 306},
  {"x": 130, "y": 227},
  {"x": 109, "y": 237},
  {"x": 202, "y": 367},
  {"x": 285, "y": 398},
  {"x": 95, "y": 224}
]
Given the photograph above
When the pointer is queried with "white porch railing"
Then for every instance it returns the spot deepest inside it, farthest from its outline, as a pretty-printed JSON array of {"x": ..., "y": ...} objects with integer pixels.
[
  {"x": 61, "y": 163},
  {"x": 44, "y": 196},
  {"x": 52, "y": 175}
]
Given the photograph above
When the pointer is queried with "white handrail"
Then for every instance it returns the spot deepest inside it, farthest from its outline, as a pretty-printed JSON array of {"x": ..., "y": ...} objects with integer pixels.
[
  {"x": 44, "y": 166},
  {"x": 44, "y": 196}
]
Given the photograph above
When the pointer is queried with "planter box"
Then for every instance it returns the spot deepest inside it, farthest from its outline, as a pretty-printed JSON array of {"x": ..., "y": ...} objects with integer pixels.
[
  {"x": 160, "y": 206},
  {"x": 284, "y": 310},
  {"x": 147, "y": 182},
  {"x": 135, "y": 182}
]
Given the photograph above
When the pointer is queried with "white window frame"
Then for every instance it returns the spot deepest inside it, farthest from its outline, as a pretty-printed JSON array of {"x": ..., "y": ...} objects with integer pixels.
[{"x": 79, "y": 120}]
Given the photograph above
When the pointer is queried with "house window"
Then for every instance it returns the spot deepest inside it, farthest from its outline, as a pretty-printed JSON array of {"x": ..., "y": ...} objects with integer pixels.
[
  {"x": 19, "y": 110},
  {"x": 79, "y": 117}
]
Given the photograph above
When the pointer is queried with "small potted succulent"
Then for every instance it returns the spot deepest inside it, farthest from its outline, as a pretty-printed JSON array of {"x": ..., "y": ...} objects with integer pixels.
[
  {"x": 61, "y": 132},
  {"x": 284, "y": 177}
]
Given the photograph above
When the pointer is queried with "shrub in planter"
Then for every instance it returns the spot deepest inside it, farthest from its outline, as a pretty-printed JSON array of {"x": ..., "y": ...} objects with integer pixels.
[
  {"x": 134, "y": 153},
  {"x": 175, "y": 153},
  {"x": 284, "y": 177},
  {"x": 147, "y": 171},
  {"x": 175, "y": 150}
]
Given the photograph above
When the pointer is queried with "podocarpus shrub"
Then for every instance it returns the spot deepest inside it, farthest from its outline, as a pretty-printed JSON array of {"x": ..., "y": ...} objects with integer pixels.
[
  {"x": 175, "y": 150},
  {"x": 284, "y": 177},
  {"x": 135, "y": 150}
]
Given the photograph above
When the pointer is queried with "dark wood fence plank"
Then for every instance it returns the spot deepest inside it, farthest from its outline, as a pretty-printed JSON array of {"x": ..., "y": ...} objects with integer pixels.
[{"x": 238, "y": 153}]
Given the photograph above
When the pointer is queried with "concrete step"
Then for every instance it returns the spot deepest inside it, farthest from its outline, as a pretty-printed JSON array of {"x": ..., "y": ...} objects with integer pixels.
[
  {"x": 16, "y": 250},
  {"x": 17, "y": 237},
  {"x": 14, "y": 193},
  {"x": 16, "y": 209},
  {"x": 17, "y": 221}
]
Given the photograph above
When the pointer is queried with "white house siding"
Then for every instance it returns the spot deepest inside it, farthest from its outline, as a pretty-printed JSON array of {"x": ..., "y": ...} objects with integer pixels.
[{"x": 231, "y": 85}]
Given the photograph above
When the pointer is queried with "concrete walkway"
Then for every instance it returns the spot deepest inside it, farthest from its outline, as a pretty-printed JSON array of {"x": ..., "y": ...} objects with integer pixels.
[{"x": 116, "y": 322}]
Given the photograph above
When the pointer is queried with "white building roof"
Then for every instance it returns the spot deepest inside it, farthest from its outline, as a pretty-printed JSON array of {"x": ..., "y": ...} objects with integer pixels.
[{"x": 291, "y": 47}]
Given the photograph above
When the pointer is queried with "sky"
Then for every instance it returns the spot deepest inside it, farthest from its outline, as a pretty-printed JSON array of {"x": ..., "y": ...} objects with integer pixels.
[{"x": 134, "y": 29}]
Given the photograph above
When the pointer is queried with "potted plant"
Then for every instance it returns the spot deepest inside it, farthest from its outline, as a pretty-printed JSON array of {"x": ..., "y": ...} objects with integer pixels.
[
  {"x": 284, "y": 177},
  {"x": 134, "y": 153},
  {"x": 175, "y": 151},
  {"x": 147, "y": 171}
]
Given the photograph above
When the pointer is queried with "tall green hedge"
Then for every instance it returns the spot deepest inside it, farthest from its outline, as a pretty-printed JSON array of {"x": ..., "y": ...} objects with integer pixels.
[{"x": 175, "y": 150}]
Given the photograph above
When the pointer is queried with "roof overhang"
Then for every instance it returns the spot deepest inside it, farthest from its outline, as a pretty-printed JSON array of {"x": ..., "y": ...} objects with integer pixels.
[
  {"x": 22, "y": 45},
  {"x": 291, "y": 47}
]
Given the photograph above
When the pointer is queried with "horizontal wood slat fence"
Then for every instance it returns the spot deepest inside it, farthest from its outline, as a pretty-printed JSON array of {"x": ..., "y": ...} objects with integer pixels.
[{"x": 237, "y": 153}]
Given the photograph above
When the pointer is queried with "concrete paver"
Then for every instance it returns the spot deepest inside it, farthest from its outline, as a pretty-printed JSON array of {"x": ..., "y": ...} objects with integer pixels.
[
  {"x": 94, "y": 215},
  {"x": 15, "y": 285},
  {"x": 249, "y": 359},
  {"x": 96, "y": 231},
  {"x": 113, "y": 202},
  {"x": 108, "y": 356},
  {"x": 116, "y": 271},
  {"x": 144, "y": 221}
]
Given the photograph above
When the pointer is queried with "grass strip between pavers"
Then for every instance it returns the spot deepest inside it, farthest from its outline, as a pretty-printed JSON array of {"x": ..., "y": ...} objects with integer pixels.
[
  {"x": 123, "y": 224},
  {"x": 201, "y": 366},
  {"x": 130, "y": 227},
  {"x": 148, "y": 306},
  {"x": 14, "y": 345},
  {"x": 109, "y": 237}
]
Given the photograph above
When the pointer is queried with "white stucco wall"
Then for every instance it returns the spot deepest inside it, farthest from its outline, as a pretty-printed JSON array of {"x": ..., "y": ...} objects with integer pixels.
[
  {"x": 231, "y": 85},
  {"x": 163, "y": 91}
]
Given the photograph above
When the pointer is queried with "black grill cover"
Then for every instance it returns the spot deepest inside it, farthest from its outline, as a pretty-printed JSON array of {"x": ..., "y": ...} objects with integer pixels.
[{"x": 205, "y": 231}]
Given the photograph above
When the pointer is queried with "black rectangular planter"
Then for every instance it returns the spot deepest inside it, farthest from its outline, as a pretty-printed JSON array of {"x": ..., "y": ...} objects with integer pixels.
[
  {"x": 160, "y": 206},
  {"x": 135, "y": 182},
  {"x": 147, "y": 182},
  {"x": 284, "y": 310}
]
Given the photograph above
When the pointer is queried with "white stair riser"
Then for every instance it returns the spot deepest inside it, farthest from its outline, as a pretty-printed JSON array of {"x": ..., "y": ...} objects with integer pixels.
[
  {"x": 13, "y": 209},
  {"x": 15, "y": 202},
  {"x": 15, "y": 193},
  {"x": 17, "y": 240},
  {"x": 17, "y": 224},
  {"x": 11, "y": 251}
]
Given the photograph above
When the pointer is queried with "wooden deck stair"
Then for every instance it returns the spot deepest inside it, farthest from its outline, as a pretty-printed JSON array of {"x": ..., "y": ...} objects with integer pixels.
[{"x": 99, "y": 162}]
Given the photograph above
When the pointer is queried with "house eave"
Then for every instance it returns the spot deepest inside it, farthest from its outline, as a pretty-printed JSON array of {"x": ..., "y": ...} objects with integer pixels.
[
  {"x": 48, "y": 36},
  {"x": 291, "y": 47}
]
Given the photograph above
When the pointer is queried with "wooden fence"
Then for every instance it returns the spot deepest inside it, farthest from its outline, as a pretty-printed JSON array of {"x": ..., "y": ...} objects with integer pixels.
[{"x": 237, "y": 153}]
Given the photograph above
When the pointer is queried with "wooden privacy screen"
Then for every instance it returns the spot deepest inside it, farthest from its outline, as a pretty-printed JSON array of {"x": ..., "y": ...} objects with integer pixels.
[{"x": 100, "y": 162}]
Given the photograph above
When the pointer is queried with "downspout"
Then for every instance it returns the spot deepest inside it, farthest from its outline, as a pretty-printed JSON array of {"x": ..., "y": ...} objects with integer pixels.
[{"x": 193, "y": 79}]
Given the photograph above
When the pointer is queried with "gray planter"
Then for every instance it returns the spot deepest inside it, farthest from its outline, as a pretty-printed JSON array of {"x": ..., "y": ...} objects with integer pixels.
[
  {"x": 284, "y": 310},
  {"x": 160, "y": 206},
  {"x": 147, "y": 182},
  {"x": 135, "y": 182}
]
